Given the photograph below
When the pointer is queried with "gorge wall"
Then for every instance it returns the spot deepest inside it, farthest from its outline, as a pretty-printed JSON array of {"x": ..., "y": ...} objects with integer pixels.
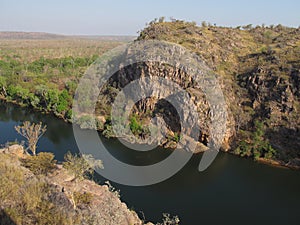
[{"x": 258, "y": 70}]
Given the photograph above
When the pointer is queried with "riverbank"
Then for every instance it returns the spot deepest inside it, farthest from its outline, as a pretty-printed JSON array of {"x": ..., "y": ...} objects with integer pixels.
[
  {"x": 39, "y": 110},
  {"x": 200, "y": 149},
  {"x": 279, "y": 164}
]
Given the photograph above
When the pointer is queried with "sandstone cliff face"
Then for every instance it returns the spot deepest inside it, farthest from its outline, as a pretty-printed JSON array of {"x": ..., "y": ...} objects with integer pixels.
[
  {"x": 258, "y": 70},
  {"x": 154, "y": 106}
]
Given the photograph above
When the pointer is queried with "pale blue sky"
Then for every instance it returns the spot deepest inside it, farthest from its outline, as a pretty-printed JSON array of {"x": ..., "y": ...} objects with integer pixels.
[{"x": 117, "y": 17}]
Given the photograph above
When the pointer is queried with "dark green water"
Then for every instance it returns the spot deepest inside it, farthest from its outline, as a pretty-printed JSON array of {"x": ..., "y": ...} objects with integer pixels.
[{"x": 231, "y": 191}]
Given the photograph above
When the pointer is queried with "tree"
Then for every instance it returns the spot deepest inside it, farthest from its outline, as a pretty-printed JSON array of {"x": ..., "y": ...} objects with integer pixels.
[
  {"x": 52, "y": 99},
  {"x": 161, "y": 19},
  {"x": 81, "y": 166},
  {"x": 256, "y": 144},
  {"x": 41, "y": 92},
  {"x": 63, "y": 101},
  {"x": 247, "y": 27},
  {"x": 261, "y": 146},
  {"x": 32, "y": 132},
  {"x": 3, "y": 86}
]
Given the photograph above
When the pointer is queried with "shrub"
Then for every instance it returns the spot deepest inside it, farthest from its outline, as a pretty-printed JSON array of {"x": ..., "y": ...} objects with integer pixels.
[
  {"x": 108, "y": 131},
  {"x": 86, "y": 122},
  {"x": 82, "y": 198},
  {"x": 81, "y": 166},
  {"x": 168, "y": 220},
  {"x": 176, "y": 137},
  {"x": 42, "y": 163},
  {"x": 135, "y": 126},
  {"x": 11, "y": 176},
  {"x": 63, "y": 101}
]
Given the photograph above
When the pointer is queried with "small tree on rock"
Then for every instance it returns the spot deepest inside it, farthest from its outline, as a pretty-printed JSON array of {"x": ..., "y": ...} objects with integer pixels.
[
  {"x": 32, "y": 133},
  {"x": 81, "y": 166}
]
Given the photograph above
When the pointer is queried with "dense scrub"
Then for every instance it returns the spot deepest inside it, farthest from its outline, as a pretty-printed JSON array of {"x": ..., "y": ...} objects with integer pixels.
[{"x": 43, "y": 74}]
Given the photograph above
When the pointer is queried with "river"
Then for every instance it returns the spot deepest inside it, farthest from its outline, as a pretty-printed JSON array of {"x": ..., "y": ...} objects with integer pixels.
[{"x": 231, "y": 191}]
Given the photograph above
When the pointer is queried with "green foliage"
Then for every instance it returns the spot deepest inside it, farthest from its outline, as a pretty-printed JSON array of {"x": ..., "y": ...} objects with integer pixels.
[
  {"x": 71, "y": 86},
  {"x": 176, "y": 137},
  {"x": 38, "y": 83},
  {"x": 18, "y": 93},
  {"x": 3, "y": 85},
  {"x": 69, "y": 114},
  {"x": 42, "y": 163},
  {"x": 256, "y": 145},
  {"x": 43, "y": 98},
  {"x": 108, "y": 130},
  {"x": 135, "y": 126},
  {"x": 81, "y": 166},
  {"x": 63, "y": 101},
  {"x": 52, "y": 99},
  {"x": 37, "y": 66}
]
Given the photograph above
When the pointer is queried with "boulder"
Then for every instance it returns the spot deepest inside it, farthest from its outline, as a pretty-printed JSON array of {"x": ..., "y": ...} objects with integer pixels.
[{"x": 15, "y": 149}]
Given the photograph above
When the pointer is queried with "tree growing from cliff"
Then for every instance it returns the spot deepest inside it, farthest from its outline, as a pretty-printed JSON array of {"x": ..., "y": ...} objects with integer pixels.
[
  {"x": 256, "y": 144},
  {"x": 32, "y": 133}
]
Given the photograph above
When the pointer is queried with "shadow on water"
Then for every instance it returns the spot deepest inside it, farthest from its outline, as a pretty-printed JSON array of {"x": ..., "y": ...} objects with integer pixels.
[
  {"x": 231, "y": 191},
  {"x": 5, "y": 219}
]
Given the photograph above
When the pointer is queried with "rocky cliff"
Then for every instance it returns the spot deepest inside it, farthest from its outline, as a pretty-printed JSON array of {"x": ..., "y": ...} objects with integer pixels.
[
  {"x": 53, "y": 196},
  {"x": 258, "y": 70}
]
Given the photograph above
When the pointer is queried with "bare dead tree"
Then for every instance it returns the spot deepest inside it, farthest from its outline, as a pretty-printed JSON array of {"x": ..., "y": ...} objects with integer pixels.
[{"x": 32, "y": 132}]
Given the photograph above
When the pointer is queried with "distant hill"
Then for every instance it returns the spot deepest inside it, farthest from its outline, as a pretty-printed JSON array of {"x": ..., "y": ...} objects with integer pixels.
[
  {"x": 29, "y": 35},
  {"x": 48, "y": 36},
  {"x": 105, "y": 37}
]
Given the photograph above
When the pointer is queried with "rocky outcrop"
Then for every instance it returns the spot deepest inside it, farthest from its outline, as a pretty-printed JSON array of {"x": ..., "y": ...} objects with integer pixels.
[
  {"x": 17, "y": 150},
  {"x": 258, "y": 70},
  {"x": 158, "y": 107},
  {"x": 84, "y": 200},
  {"x": 105, "y": 207}
]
